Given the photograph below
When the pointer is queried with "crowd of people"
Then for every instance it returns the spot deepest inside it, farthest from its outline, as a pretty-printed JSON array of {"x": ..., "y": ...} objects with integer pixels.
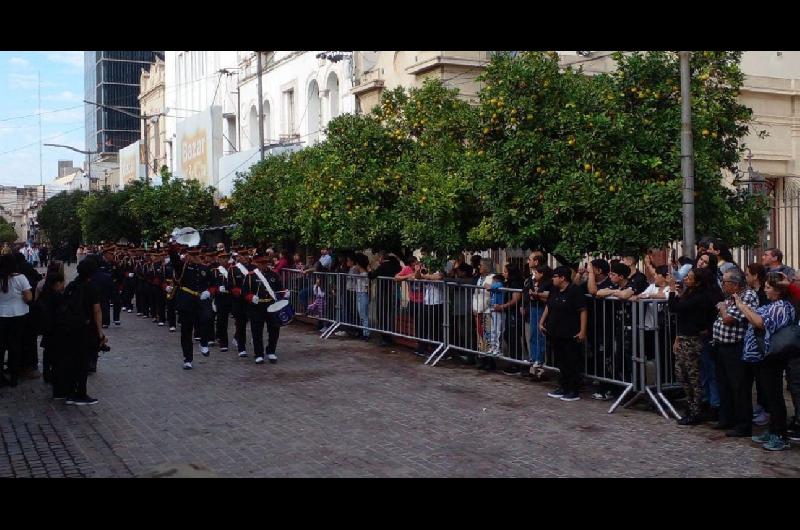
[
  {"x": 724, "y": 317},
  {"x": 728, "y": 320}
]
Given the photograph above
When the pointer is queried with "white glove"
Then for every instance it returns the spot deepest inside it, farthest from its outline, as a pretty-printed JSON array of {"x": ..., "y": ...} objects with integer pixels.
[
  {"x": 222, "y": 289},
  {"x": 255, "y": 299},
  {"x": 130, "y": 275},
  {"x": 205, "y": 295},
  {"x": 168, "y": 288}
]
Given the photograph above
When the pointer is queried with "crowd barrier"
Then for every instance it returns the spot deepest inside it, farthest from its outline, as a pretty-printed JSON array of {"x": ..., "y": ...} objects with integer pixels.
[{"x": 628, "y": 344}]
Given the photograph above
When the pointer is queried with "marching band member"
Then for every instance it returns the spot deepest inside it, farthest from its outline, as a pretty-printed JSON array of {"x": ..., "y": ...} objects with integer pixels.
[
  {"x": 195, "y": 288},
  {"x": 260, "y": 291}
]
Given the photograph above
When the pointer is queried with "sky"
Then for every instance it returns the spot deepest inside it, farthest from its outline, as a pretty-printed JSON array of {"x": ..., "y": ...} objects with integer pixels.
[{"x": 62, "y": 113}]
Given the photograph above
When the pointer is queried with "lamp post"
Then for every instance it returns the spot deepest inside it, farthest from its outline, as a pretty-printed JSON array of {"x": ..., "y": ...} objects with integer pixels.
[{"x": 687, "y": 156}]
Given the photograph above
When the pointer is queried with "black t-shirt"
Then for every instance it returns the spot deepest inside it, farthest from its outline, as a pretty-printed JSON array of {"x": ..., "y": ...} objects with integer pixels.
[
  {"x": 532, "y": 288},
  {"x": 638, "y": 282},
  {"x": 605, "y": 284},
  {"x": 564, "y": 307}
]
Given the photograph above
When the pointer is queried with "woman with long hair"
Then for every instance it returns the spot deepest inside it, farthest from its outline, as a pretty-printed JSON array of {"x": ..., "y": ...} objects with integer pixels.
[
  {"x": 693, "y": 306},
  {"x": 756, "y": 276},
  {"x": 15, "y": 294},
  {"x": 55, "y": 336},
  {"x": 765, "y": 322}
]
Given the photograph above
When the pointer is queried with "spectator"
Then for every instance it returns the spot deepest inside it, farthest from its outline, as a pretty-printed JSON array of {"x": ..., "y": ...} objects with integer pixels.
[
  {"x": 537, "y": 289},
  {"x": 622, "y": 286},
  {"x": 349, "y": 304},
  {"x": 297, "y": 262},
  {"x": 282, "y": 262},
  {"x": 513, "y": 307},
  {"x": 54, "y": 267},
  {"x": 386, "y": 266},
  {"x": 411, "y": 272},
  {"x": 86, "y": 334},
  {"x": 756, "y": 276},
  {"x": 638, "y": 281},
  {"x": 361, "y": 285},
  {"x": 734, "y": 376},
  {"x": 564, "y": 321},
  {"x": 793, "y": 370},
  {"x": 708, "y": 261},
  {"x": 432, "y": 305},
  {"x": 482, "y": 310},
  {"x": 724, "y": 259},
  {"x": 598, "y": 276},
  {"x": 55, "y": 335},
  {"x": 15, "y": 295},
  {"x": 684, "y": 266},
  {"x": 44, "y": 255},
  {"x": 29, "y": 352},
  {"x": 497, "y": 315},
  {"x": 658, "y": 290},
  {"x": 325, "y": 259},
  {"x": 772, "y": 259},
  {"x": 475, "y": 260},
  {"x": 692, "y": 304},
  {"x": 764, "y": 323},
  {"x": 461, "y": 334}
]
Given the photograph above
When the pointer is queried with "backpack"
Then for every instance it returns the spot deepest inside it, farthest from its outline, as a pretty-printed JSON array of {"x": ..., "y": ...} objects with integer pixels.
[{"x": 73, "y": 315}]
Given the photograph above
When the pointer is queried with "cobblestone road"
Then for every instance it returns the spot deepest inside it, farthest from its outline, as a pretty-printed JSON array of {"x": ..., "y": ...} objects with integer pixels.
[{"x": 340, "y": 408}]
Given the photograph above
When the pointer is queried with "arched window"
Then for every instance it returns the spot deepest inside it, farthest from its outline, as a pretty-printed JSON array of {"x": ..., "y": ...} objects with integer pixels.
[
  {"x": 252, "y": 132},
  {"x": 314, "y": 111},
  {"x": 333, "y": 95}
]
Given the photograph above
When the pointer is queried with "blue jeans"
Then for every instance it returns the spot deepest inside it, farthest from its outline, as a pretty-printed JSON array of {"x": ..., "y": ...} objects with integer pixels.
[
  {"x": 537, "y": 339},
  {"x": 708, "y": 375},
  {"x": 362, "y": 302}
]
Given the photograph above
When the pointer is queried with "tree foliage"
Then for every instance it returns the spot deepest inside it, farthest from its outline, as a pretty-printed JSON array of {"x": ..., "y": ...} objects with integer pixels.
[
  {"x": 105, "y": 216},
  {"x": 59, "y": 217},
  {"x": 549, "y": 158},
  {"x": 7, "y": 232}
]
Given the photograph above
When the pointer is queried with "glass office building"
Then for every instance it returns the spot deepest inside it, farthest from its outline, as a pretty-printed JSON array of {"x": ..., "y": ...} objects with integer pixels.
[{"x": 112, "y": 78}]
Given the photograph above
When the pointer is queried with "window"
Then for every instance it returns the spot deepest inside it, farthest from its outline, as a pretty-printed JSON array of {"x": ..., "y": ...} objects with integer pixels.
[{"x": 288, "y": 108}]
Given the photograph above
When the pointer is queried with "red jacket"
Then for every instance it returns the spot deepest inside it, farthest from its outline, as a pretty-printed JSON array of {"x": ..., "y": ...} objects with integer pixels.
[{"x": 282, "y": 264}]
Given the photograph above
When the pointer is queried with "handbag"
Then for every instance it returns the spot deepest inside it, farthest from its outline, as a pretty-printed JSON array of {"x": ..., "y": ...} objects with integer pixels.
[{"x": 784, "y": 343}]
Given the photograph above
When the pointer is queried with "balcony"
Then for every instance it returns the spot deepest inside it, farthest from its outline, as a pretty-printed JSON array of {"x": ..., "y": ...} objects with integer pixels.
[{"x": 428, "y": 60}]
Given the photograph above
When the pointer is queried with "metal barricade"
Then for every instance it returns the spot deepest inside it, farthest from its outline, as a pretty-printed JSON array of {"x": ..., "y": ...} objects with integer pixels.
[
  {"x": 476, "y": 324},
  {"x": 658, "y": 332},
  {"x": 316, "y": 295}
]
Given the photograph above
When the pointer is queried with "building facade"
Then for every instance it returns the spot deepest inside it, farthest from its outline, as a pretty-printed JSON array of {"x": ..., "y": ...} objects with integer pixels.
[
  {"x": 376, "y": 71},
  {"x": 19, "y": 206},
  {"x": 112, "y": 78},
  {"x": 153, "y": 132}
]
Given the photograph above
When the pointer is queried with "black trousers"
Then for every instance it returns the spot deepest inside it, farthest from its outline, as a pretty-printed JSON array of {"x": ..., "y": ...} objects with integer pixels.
[
  {"x": 191, "y": 320},
  {"x": 11, "y": 330},
  {"x": 170, "y": 313},
  {"x": 567, "y": 357},
  {"x": 58, "y": 360},
  {"x": 30, "y": 347},
  {"x": 159, "y": 301},
  {"x": 78, "y": 357},
  {"x": 45, "y": 261},
  {"x": 128, "y": 291},
  {"x": 221, "y": 328},
  {"x": 141, "y": 298},
  {"x": 240, "y": 330},
  {"x": 116, "y": 299},
  {"x": 793, "y": 373},
  {"x": 735, "y": 394},
  {"x": 257, "y": 324},
  {"x": 105, "y": 312},
  {"x": 770, "y": 375}
]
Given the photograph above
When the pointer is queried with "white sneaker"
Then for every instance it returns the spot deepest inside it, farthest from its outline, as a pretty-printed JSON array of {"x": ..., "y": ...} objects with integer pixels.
[
  {"x": 187, "y": 365},
  {"x": 223, "y": 349},
  {"x": 130, "y": 310},
  {"x": 161, "y": 324},
  {"x": 259, "y": 360},
  {"x": 242, "y": 354},
  {"x": 272, "y": 358},
  {"x": 172, "y": 328},
  {"x": 204, "y": 351}
]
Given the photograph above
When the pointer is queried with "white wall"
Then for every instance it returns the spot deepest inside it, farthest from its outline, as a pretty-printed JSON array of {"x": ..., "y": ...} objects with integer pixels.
[
  {"x": 193, "y": 84},
  {"x": 300, "y": 72}
]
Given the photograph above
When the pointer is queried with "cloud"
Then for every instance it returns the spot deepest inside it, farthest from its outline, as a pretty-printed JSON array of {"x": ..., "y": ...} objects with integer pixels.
[
  {"x": 65, "y": 95},
  {"x": 17, "y": 81},
  {"x": 19, "y": 62},
  {"x": 70, "y": 58}
]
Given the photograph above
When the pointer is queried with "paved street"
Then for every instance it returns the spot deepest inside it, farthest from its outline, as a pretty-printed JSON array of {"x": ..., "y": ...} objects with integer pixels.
[{"x": 340, "y": 408}]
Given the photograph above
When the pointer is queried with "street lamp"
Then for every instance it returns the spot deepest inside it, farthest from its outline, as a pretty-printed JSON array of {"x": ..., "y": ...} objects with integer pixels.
[{"x": 73, "y": 149}]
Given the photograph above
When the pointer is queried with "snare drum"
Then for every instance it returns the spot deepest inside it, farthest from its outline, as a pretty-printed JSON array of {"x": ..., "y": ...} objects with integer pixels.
[{"x": 280, "y": 313}]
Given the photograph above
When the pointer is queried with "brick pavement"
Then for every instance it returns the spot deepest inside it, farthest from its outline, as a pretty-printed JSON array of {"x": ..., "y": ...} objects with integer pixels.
[{"x": 340, "y": 408}]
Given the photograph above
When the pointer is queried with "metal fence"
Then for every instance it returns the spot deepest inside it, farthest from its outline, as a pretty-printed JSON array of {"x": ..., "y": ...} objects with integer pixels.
[{"x": 628, "y": 344}]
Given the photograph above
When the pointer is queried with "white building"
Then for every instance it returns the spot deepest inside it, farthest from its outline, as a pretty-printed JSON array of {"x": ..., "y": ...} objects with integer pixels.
[
  {"x": 302, "y": 92},
  {"x": 194, "y": 82}
]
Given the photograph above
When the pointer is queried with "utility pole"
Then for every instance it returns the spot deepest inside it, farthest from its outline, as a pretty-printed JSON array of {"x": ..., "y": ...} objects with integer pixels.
[
  {"x": 687, "y": 156},
  {"x": 260, "y": 107},
  {"x": 146, "y": 152},
  {"x": 156, "y": 146},
  {"x": 41, "y": 179}
]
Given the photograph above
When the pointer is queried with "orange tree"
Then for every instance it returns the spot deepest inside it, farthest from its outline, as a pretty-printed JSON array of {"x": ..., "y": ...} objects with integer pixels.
[
  {"x": 436, "y": 203},
  {"x": 575, "y": 163}
]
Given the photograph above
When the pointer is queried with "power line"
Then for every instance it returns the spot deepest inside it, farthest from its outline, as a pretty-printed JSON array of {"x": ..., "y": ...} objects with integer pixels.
[
  {"x": 40, "y": 113},
  {"x": 37, "y": 143}
]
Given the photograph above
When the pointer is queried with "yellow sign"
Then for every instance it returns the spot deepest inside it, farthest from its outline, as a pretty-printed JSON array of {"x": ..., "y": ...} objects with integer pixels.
[{"x": 194, "y": 159}]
